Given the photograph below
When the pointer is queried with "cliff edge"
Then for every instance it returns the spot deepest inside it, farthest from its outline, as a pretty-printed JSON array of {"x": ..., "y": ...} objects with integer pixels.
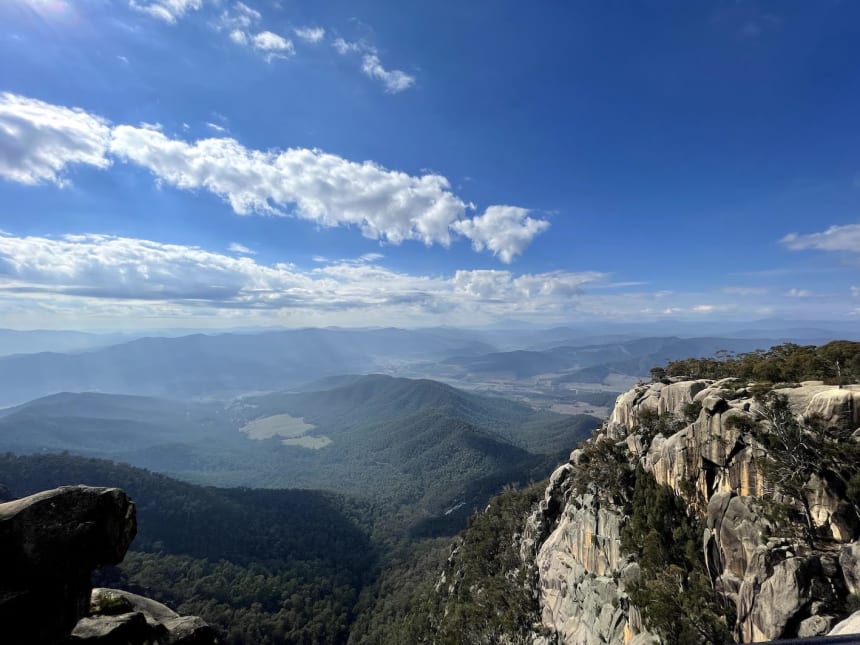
[{"x": 777, "y": 565}]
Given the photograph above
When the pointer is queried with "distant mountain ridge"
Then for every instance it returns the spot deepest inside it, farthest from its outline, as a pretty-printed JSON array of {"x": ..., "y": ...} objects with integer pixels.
[
  {"x": 230, "y": 364},
  {"x": 222, "y": 364}
]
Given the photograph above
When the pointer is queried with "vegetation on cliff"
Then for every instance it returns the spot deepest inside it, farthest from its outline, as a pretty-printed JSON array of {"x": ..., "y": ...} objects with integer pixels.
[
  {"x": 836, "y": 362},
  {"x": 673, "y": 591}
]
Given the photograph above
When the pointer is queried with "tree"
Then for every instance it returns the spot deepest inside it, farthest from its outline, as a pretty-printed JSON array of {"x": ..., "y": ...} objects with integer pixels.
[
  {"x": 673, "y": 591},
  {"x": 657, "y": 373},
  {"x": 797, "y": 448}
]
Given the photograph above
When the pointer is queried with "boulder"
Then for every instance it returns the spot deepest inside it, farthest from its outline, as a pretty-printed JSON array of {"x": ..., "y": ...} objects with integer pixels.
[
  {"x": 849, "y": 562},
  {"x": 121, "y": 629},
  {"x": 850, "y": 625},
  {"x": 837, "y": 407},
  {"x": 163, "y": 625},
  {"x": 51, "y": 542}
]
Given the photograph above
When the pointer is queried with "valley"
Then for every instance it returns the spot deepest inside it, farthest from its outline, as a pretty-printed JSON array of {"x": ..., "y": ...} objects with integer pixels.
[{"x": 327, "y": 506}]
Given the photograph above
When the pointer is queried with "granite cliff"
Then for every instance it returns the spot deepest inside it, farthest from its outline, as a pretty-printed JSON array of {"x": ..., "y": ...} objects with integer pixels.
[{"x": 701, "y": 439}]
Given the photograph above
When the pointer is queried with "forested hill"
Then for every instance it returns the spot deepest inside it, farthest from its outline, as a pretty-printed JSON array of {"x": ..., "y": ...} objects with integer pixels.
[
  {"x": 266, "y": 566},
  {"x": 359, "y": 402},
  {"x": 427, "y": 452}
]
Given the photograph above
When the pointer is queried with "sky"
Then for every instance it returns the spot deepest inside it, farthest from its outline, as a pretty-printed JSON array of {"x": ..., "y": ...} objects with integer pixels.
[{"x": 219, "y": 164}]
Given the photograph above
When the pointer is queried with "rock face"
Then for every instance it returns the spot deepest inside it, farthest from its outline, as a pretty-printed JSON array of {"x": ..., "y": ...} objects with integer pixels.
[
  {"x": 123, "y": 617},
  {"x": 579, "y": 596},
  {"x": 50, "y": 544},
  {"x": 779, "y": 585}
]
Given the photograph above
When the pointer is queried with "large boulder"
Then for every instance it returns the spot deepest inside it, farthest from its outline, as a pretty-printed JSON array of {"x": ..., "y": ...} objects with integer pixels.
[
  {"x": 50, "y": 543},
  {"x": 837, "y": 407},
  {"x": 125, "y": 618}
]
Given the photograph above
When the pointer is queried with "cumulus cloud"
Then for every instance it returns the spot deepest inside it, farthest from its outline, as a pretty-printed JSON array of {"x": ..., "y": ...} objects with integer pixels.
[
  {"x": 119, "y": 268},
  {"x": 166, "y": 10},
  {"x": 273, "y": 44},
  {"x": 835, "y": 238},
  {"x": 489, "y": 284},
  {"x": 239, "y": 37},
  {"x": 38, "y": 140},
  {"x": 310, "y": 184},
  {"x": 505, "y": 230},
  {"x": 394, "y": 80},
  {"x": 310, "y": 34}
]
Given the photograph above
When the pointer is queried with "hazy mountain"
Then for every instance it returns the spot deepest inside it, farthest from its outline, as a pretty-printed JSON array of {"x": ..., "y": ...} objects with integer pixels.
[
  {"x": 13, "y": 341},
  {"x": 402, "y": 442},
  {"x": 633, "y": 357},
  {"x": 223, "y": 364},
  {"x": 105, "y": 424}
]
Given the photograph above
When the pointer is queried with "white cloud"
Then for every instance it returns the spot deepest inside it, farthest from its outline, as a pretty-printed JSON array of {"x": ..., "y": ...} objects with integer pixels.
[
  {"x": 321, "y": 187},
  {"x": 490, "y": 284},
  {"x": 103, "y": 267},
  {"x": 310, "y": 34},
  {"x": 394, "y": 80},
  {"x": 505, "y": 230},
  {"x": 327, "y": 189},
  {"x": 274, "y": 44},
  {"x": 217, "y": 128},
  {"x": 237, "y": 18},
  {"x": 239, "y": 21},
  {"x": 344, "y": 47},
  {"x": 77, "y": 277},
  {"x": 38, "y": 140},
  {"x": 835, "y": 238},
  {"x": 855, "y": 291},
  {"x": 166, "y": 10},
  {"x": 244, "y": 15},
  {"x": 798, "y": 293},
  {"x": 241, "y": 249}
]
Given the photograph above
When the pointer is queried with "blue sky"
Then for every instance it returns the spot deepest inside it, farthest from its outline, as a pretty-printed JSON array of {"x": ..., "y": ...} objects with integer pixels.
[{"x": 212, "y": 163}]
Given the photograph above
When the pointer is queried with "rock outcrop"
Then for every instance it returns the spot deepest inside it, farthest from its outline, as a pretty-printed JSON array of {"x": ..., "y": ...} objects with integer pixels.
[
  {"x": 122, "y": 617},
  {"x": 779, "y": 585},
  {"x": 50, "y": 544}
]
